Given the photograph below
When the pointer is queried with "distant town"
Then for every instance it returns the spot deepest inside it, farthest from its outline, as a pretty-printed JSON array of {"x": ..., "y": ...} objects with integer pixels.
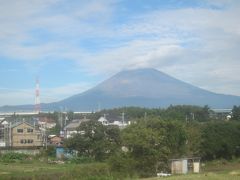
[{"x": 34, "y": 130}]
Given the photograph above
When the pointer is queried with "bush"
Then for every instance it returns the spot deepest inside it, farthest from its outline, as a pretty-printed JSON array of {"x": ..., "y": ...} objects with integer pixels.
[
  {"x": 51, "y": 151},
  {"x": 220, "y": 140},
  {"x": 14, "y": 157},
  {"x": 122, "y": 165}
]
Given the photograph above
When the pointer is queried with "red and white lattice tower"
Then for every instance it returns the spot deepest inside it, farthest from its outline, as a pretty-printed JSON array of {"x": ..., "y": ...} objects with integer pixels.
[{"x": 37, "y": 96}]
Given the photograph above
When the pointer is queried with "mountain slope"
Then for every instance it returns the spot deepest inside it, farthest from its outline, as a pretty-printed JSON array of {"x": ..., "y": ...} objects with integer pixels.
[{"x": 145, "y": 88}]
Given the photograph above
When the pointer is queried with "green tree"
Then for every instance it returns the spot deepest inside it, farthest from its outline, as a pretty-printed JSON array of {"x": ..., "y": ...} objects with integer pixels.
[
  {"x": 94, "y": 140},
  {"x": 70, "y": 115},
  {"x": 193, "y": 142},
  {"x": 236, "y": 113},
  {"x": 151, "y": 143},
  {"x": 220, "y": 140}
]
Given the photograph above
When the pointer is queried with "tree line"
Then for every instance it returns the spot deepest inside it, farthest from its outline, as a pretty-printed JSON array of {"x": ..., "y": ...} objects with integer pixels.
[{"x": 146, "y": 146}]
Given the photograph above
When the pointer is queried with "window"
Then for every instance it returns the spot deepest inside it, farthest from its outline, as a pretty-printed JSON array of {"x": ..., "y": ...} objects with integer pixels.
[
  {"x": 26, "y": 141},
  {"x": 29, "y": 130},
  {"x": 29, "y": 141},
  {"x": 1, "y": 133},
  {"x": 20, "y": 130},
  {"x": 23, "y": 141}
]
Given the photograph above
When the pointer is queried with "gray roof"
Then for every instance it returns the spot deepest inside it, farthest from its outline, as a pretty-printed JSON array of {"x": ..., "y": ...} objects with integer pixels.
[
  {"x": 21, "y": 122},
  {"x": 114, "y": 117},
  {"x": 75, "y": 124}
]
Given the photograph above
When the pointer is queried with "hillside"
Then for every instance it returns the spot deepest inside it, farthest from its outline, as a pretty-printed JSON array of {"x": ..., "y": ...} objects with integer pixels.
[{"x": 146, "y": 88}]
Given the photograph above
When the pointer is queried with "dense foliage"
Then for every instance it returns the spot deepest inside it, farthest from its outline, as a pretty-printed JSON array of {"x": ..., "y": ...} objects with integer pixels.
[
  {"x": 220, "y": 140},
  {"x": 151, "y": 143},
  {"x": 179, "y": 113},
  {"x": 236, "y": 113},
  {"x": 157, "y": 135},
  {"x": 95, "y": 141}
]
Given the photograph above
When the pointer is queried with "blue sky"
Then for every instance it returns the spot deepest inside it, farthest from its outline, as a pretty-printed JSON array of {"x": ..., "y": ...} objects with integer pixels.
[{"x": 72, "y": 45}]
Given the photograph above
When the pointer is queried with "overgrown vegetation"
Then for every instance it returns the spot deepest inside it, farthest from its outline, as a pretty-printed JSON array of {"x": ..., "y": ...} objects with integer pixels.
[
  {"x": 40, "y": 170},
  {"x": 157, "y": 135},
  {"x": 14, "y": 157}
]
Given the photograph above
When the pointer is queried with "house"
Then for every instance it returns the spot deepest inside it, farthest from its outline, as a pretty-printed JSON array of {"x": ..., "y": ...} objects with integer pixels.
[
  {"x": 46, "y": 122},
  {"x": 119, "y": 121},
  {"x": 3, "y": 132},
  {"x": 3, "y": 122},
  {"x": 103, "y": 121},
  {"x": 24, "y": 134},
  {"x": 55, "y": 140},
  {"x": 72, "y": 127},
  {"x": 120, "y": 124}
]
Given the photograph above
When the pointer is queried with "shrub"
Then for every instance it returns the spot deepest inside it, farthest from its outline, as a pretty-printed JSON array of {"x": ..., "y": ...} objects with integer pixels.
[
  {"x": 122, "y": 165},
  {"x": 14, "y": 157}
]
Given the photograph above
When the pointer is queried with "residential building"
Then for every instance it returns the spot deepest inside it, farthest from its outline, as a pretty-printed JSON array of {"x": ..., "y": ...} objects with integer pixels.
[
  {"x": 119, "y": 121},
  {"x": 24, "y": 134},
  {"x": 103, "y": 120},
  {"x": 72, "y": 127},
  {"x": 46, "y": 122},
  {"x": 4, "y": 135},
  {"x": 55, "y": 140}
]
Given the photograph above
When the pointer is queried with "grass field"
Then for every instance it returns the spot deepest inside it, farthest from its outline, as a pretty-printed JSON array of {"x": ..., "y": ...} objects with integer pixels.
[
  {"x": 53, "y": 171},
  {"x": 207, "y": 176},
  {"x": 217, "y": 170}
]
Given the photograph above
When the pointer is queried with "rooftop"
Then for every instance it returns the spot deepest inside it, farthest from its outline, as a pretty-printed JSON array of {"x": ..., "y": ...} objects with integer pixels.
[{"x": 75, "y": 124}]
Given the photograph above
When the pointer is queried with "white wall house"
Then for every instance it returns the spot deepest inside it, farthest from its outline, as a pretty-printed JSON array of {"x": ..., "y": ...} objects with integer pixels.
[
  {"x": 103, "y": 120},
  {"x": 72, "y": 127},
  {"x": 3, "y": 132},
  {"x": 120, "y": 123}
]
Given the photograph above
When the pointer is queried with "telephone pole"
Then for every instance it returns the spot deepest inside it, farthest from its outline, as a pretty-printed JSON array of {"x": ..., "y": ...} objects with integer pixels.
[{"x": 37, "y": 96}]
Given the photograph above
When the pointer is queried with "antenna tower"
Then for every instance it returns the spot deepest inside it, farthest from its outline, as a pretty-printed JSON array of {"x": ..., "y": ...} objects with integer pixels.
[{"x": 37, "y": 96}]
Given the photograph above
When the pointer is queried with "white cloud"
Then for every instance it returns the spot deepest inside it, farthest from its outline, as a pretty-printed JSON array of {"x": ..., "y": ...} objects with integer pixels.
[
  {"x": 204, "y": 45},
  {"x": 22, "y": 22},
  {"x": 192, "y": 44}
]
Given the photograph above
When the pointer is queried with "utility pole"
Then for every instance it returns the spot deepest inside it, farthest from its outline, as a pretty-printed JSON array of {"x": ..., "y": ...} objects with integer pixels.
[
  {"x": 37, "y": 96},
  {"x": 123, "y": 114},
  {"x": 145, "y": 116},
  {"x": 60, "y": 120},
  {"x": 45, "y": 132},
  {"x": 66, "y": 119},
  {"x": 10, "y": 134}
]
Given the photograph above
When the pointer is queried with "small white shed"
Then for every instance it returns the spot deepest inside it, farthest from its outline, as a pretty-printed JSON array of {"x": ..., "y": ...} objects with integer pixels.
[{"x": 185, "y": 165}]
